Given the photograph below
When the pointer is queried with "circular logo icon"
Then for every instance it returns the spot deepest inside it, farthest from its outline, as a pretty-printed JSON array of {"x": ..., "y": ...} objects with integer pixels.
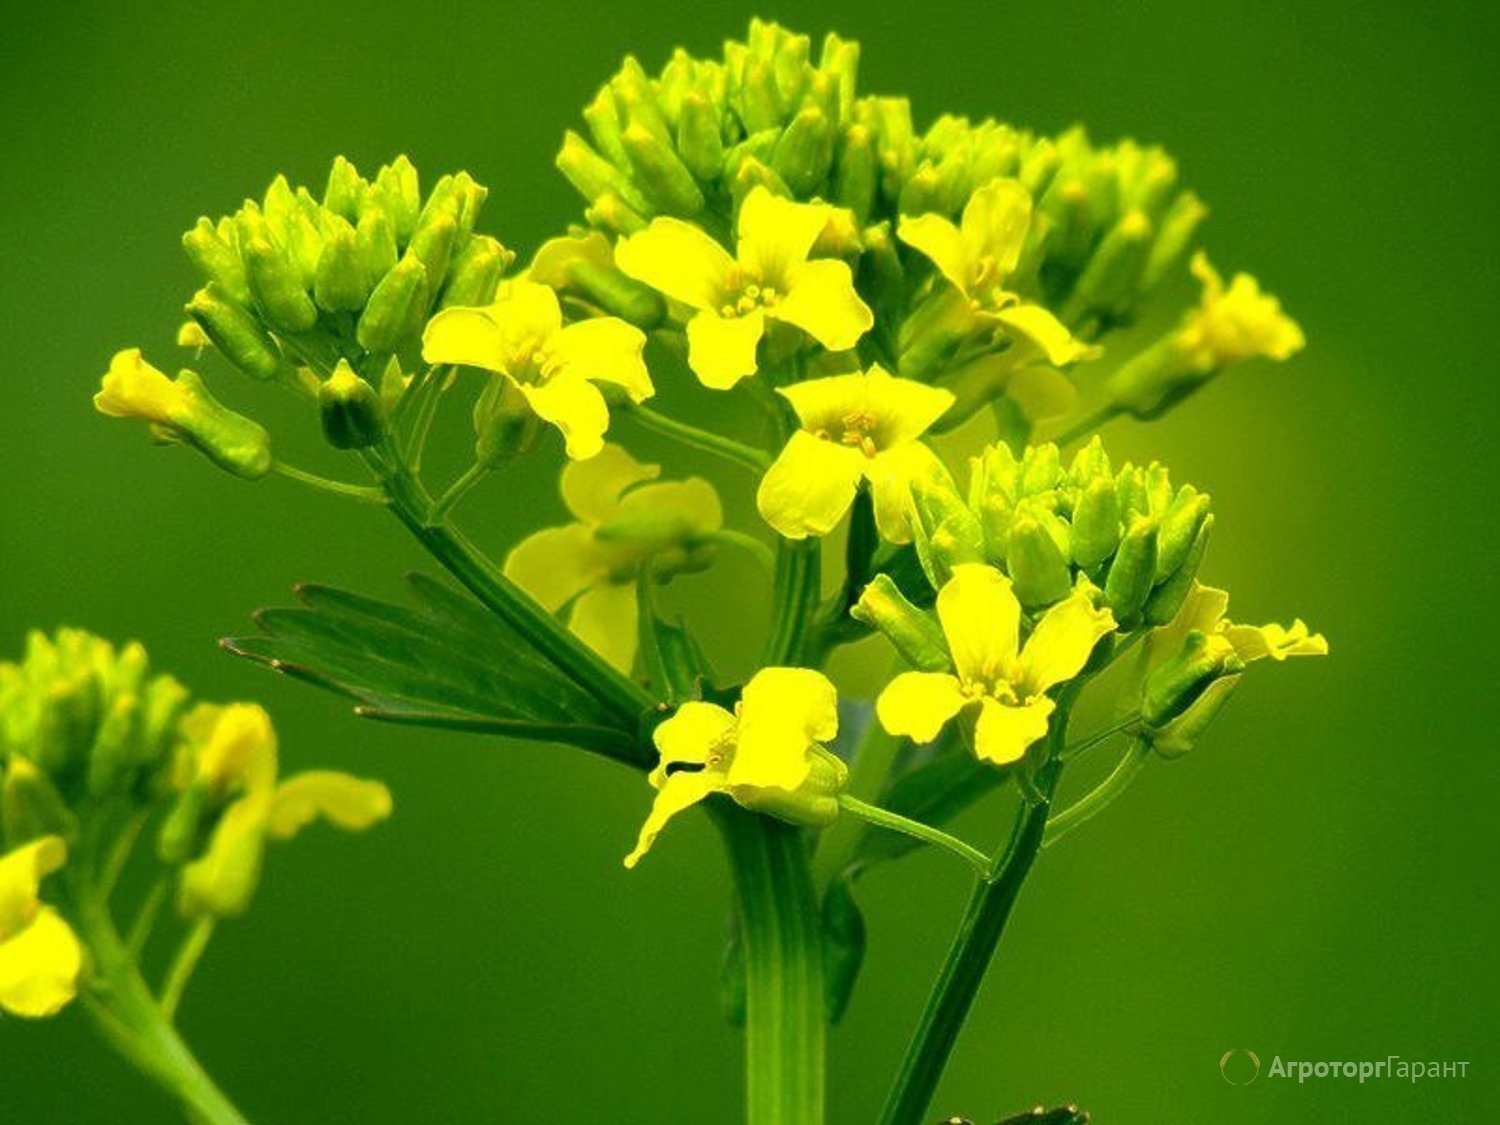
[{"x": 1238, "y": 1072}]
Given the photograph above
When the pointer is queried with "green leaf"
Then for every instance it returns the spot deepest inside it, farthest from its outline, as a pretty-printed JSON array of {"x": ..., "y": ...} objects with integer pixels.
[{"x": 445, "y": 663}]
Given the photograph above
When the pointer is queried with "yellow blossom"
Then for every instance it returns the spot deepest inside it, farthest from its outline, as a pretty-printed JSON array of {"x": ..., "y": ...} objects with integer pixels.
[
  {"x": 766, "y": 754},
  {"x": 622, "y": 524},
  {"x": 40, "y": 956},
  {"x": 522, "y": 338},
  {"x": 862, "y": 426},
  {"x": 979, "y": 255},
  {"x": 232, "y": 750},
  {"x": 1235, "y": 323},
  {"x": 769, "y": 277},
  {"x": 993, "y": 672},
  {"x": 181, "y": 410}
]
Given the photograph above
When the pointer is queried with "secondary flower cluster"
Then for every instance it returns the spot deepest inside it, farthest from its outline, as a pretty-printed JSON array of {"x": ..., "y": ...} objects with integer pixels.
[{"x": 90, "y": 738}]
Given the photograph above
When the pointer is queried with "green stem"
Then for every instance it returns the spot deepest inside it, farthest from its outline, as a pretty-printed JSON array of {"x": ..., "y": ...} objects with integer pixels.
[
  {"x": 339, "y": 488},
  {"x": 748, "y": 543},
  {"x": 184, "y": 964},
  {"x": 458, "y": 490},
  {"x": 508, "y": 602},
  {"x": 738, "y": 452},
  {"x": 1084, "y": 745},
  {"x": 1086, "y": 426},
  {"x": 785, "y": 1028},
  {"x": 798, "y": 574},
  {"x": 127, "y": 1016},
  {"x": 895, "y": 822},
  {"x": 1101, "y": 796},
  {"x": 972, "y": 949},
  {"x": 868, "y": 771}
]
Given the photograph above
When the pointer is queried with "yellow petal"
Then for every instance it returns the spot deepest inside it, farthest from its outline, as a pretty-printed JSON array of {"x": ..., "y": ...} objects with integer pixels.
[
  {"x": 802, "y": 697},
  {"x": 574, "y": 406},
  {"x": 351, "y": 803},
  {"x": 557, "y": 564},
  {"x": 592, "y": 489},
  {"x": 1004, "y": 732},
  {"x": 22, "y": 870},
  {"x": 820, "y": 299},
  {"x": 132, "y": 388},
  {"x": 981, "y": 619},
  {"x": 692, "y": 735},
  {"x": 673, "y": 509},
  {"x": 681, "y": 791},
  {"x": 221, "y": 882},
  {"x": 776, "y": 235},
  {"x": 919, "y": 704},
  {"x": 240, "y": 749},
  {"x": 1203, "y": 609},
  {"x": 721, "y": 350},
  {"x": 494, "y": 337},
  {"x": 39, "y": 966},
  {"x": 1060, "y": 645},
  {"x": 810, "y": 486},
  {"x": 1041, "y": 392},
  {"x": 1254, "y": 642},
  {"x": 1048, "y": 335},
  {"x": 942, "y": 243},
  {"x": 679, "y": 260},
  {"x": 824, "y": 404},
  {"x": 904, "y": 409},
  {"x": 606, "y": 618},
  {"x": 891, "y": 475},
  {"x": 607, "y": 350},
  {"x": 995, "y": 223}
]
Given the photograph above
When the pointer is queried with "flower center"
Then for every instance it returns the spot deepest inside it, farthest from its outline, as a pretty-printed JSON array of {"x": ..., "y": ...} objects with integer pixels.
[
  {"x": 751, "y": 297},
  {"x": 532, "y": 360}
]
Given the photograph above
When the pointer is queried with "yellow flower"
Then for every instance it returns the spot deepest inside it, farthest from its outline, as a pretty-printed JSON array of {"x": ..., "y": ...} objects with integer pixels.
[
  {"x": 766, "y": 754},
  {"x": 863, "y": 426},
  {"x": 980, "y": 254},
  {"x": 1007, "y": 682},
  {"x": 40, "y": 956},
  {"x": 181, "y": 410},
  {"x": 770, "y": 277},
  {"x": 1235, "y": 323},
  {"x": 233, "y": 752},
  {"x": 623, "y": 524},
  {"x": 1203, "y": 612},
  {"x": 522, "y": 338}
]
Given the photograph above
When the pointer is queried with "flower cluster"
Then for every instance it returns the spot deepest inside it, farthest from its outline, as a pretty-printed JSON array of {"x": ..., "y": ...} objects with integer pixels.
[{"x": 91, "y": 740}]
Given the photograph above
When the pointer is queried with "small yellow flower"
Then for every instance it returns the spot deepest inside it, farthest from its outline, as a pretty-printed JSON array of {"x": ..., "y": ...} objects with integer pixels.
[
  {"x": 522, "y": 338},
  {"x": 766, "y": 754},
  {"x": 232, "y": 750},
  {"x": 1235, "y": 323},
  {"x": 863, "y": 426},
  {"x": 181, "y": 410},
  {"x": 40, "y": 956},
  {"x": 623, "y": 524},
  {"x": 1007, "y": 682},
  {"x": 980, "y": 254},
  {"x": 1203, "y": 611},
  {"x": 770, "y": 277}
]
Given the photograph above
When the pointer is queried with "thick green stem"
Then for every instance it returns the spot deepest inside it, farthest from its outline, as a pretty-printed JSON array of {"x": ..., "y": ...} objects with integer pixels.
[
  {"x": 128, "y": 1016},
  {"x": 413, "y": 506},
  {"x": 968, "y": 959},
  {"x": 785, "y": 1025},
  {"x": 798, "y": 574}
]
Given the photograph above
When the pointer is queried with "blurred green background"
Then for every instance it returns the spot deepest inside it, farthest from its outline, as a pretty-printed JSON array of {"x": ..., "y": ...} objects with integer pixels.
[{"x": 1317, "y": 882}]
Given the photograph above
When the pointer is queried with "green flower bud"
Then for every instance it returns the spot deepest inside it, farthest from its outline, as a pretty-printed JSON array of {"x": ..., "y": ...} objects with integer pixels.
[
  {"x": 400, "y": 195},
  {"x": 1036, "y": 561},
  {"x": 664, "y": 178},
  {"x": 1178, "y": 736},
  {"x": 1112, "y": 277},
  {"x": 30, "y": 805},
  {"x": 475, "y": 274},
  {"x": 340, "y": 284},
  {"x": 945, "y": 532},
  {"x": 612, "y": 213},
  {"x": 699, "y": 141},
  {"x": 350, "y": 410},
  {"x": 505, "y": 426},
  {"x": 345, "y": 193},
  {"x": 857, "y": 172},
  {"x": 1179, "y": 530},
  {"x": 112, "y": 757},
  {"x": 1096, "y": 523},
  {"x": 914, "y": 634},
  {"x": 432, "y": 243},
  {"x": 182, "y": 830},
  {"x": 375, "y": 239},
  {"x": 804, "y": 154},
  {"x": 235, "y": 333},
  {"x": 396, "y": 309},
  {"x": 277, "y": 287},
  {"x": 1132, "y": 572},
  {"x": 217, "y": 259},
  {"x": 1167, "y": 598},
  {"x": 814, "y": 803},
  {"x": 1178, "y": 682},
  {"x": 1174, "y": 237}
]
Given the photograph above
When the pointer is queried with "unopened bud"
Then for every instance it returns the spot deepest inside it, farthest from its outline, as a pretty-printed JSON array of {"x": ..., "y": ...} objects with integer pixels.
[
  {"x": 1179, "y": 530},
  {"x": 340, "y": 283},
  {"x": 1133, "y": 572},
  {"x": 699, "y": 140},
  {"x": 1096, "y": 523},
  {"x": 1167, "y": 598},
  {"x": 31, "y": 806},
  {"x": 235, "y": 333},
  {"x": 375, "y": 239},
  {"x": 1036, "y": 561},
  {"x": 350, "y": 410},
  {"x": 914, "y": 634},
  {"x": 396, "y": 308},
  {"x": 400, "y": 194},
  {"x": 217, "y": 259},
  {"x": 345, "y": 193},
  {"x": 475, "y": 274},
  {"x": 1177, "y": 683},
  {"x": 668, "y": 184},
  {"x": 804, "y": 154}
]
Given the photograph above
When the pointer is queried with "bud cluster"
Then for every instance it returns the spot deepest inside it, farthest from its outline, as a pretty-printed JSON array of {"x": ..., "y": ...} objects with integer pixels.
[
  {"x": 294, "y": 281},
  {"x": 1047, "y": 525}
]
